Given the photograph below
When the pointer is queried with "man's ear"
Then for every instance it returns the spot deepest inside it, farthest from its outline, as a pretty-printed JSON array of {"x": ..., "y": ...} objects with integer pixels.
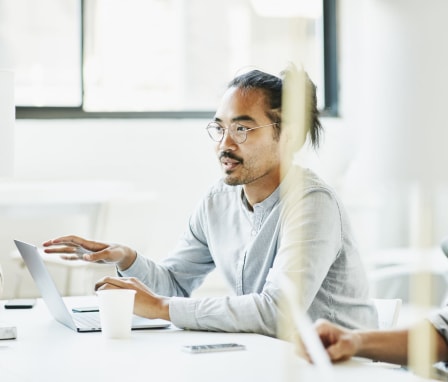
[
  {"x": 295, "y": 117},
  {"x": 287, "y": 150}
]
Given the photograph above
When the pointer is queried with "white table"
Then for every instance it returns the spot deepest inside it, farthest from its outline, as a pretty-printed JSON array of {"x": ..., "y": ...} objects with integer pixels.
[
  {"x": 20, "y": 197},
  {"x": 47, "y": 351}
]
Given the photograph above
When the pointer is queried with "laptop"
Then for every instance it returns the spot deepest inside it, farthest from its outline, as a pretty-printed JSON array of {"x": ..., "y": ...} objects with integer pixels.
[{"x": 81, "y": 322}]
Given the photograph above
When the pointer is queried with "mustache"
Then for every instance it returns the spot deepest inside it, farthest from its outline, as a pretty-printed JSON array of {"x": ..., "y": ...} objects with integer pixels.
[{"x": 230, "y": 155}]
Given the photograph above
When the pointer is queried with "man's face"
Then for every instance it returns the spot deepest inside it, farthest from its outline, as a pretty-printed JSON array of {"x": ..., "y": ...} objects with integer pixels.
[{"x": 255, "y": 162}]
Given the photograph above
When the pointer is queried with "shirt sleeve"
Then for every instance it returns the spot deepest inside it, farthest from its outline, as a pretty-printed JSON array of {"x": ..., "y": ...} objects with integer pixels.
[
  {"x": 183, "y": 270},
  {"x": 310, "y": 242}
]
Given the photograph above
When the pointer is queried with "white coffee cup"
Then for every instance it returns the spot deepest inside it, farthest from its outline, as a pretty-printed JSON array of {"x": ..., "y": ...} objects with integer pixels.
[{"x": 116, "y": 308}]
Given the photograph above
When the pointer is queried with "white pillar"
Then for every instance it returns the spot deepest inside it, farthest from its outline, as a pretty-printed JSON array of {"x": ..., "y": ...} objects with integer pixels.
[
  {"x": 7, "y": 117},
  {"x": 404, "y": 105}
]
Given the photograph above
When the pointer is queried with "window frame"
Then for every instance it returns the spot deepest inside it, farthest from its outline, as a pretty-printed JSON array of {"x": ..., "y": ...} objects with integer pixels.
[{"x": 330, "y": 84}]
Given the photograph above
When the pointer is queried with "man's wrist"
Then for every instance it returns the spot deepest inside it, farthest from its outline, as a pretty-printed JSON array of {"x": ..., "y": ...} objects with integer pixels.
[
  {"x": 165, "y": 308},
  {"x": 127, "y": 262},
  {"x": 358, "y": 342}
]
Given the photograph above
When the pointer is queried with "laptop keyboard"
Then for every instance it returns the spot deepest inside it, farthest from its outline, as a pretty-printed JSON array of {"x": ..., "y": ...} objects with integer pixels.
[
  {"x": 91, "y": 321},
  {"x": 87, "y": 320}
]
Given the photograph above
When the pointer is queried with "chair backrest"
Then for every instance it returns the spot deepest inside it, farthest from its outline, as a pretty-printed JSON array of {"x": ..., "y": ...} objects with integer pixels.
[
  {"x": 395, "y": 281},
  {"x": 388, "y": 311}
]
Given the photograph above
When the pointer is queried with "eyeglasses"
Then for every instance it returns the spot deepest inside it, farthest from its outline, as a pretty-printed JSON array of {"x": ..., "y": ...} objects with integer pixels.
[{"x": 237, "y": 131}]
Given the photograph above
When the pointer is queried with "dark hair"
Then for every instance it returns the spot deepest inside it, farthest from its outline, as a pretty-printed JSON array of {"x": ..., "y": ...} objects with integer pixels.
[{"x": 272, "y": 86}]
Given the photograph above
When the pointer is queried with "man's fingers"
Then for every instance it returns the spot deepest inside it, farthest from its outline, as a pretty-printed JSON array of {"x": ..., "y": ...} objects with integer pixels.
[
  {"x": 76, "y": 242},
  {"x": 116, "y": 282},
  {"x": 336, "y": 353},
  {"x": 70, "y": 257},
  {"x": 74, "y": 247},
  {"x": 64, "y": 240}
]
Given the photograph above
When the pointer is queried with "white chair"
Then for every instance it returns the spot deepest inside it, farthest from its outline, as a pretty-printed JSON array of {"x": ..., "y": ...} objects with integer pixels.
[
  {"x": 388, "y": 311},
  {"x": 395, "y": 282}
]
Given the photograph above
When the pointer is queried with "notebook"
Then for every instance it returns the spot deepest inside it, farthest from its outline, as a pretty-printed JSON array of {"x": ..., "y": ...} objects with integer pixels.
[{"x": 81, "y": 322}]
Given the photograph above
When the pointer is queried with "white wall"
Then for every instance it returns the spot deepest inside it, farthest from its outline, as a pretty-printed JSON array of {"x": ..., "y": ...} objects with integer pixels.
[{"x": 172, "y": 160}]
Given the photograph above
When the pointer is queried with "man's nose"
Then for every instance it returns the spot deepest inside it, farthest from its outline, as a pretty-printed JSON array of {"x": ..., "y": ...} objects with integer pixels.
[{"x": 227, "y": 141}]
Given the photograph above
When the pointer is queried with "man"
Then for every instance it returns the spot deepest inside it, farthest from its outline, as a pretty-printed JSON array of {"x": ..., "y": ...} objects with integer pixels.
[
  {"x": 242, "y": 228},
  {"x": 386, "y": 346}
]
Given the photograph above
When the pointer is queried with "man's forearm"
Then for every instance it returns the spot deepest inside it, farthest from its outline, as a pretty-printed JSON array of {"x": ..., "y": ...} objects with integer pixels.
[
  {"x": 385, "y": 346},
  {"x": 392, "y": 346}
]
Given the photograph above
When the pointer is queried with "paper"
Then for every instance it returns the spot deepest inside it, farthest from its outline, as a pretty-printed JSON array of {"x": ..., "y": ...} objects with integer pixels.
[{"x": 7, "y": 332}]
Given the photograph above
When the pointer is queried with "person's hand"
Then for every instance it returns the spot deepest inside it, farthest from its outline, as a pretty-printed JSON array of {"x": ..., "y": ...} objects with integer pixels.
[
  {"x": 340, "y": 343},
  {"x": 147, "y": 304},
  {"x": 74, "y": 247}
]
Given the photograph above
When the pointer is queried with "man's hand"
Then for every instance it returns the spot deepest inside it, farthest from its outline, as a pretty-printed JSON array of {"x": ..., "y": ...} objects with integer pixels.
[
  {"x": 74, "y": 247},
  {"x": 147, "y": 304},
  {"x": 340, "y": 343}
]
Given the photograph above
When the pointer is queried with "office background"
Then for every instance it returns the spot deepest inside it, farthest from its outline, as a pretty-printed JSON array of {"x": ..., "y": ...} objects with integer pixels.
[{"x": 167, "y": 164}]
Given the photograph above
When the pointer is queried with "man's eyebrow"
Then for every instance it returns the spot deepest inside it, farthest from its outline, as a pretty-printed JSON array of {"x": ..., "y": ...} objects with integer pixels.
[{"x": 239, "y": 118}]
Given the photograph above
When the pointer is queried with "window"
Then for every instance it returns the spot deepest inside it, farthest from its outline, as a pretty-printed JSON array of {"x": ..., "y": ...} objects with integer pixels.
[
  {"x": 40, "y": 40},
  {"x": 152, "y": 57}
]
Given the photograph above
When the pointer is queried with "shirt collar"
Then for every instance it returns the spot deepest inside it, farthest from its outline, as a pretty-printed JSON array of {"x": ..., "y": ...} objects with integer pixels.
[{"x": 266, "y": 204}]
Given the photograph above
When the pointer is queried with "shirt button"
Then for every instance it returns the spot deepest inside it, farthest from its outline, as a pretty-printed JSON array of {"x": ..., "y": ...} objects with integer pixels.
[{"x": 253, "y": 232}]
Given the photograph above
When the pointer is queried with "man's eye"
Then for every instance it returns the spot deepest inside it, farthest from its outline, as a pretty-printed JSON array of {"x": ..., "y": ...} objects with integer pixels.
[
  {"x": 218, "y": 128},
  {"x": 241, "y": 128}
]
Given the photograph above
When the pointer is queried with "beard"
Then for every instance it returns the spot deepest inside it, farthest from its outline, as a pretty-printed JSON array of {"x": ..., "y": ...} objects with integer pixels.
[
  {"x": 240, "y": 180},
  {"x": 245, "y": 171},
  {"x": 243, "y": 174},
  {"x": 232, "y": 181}
]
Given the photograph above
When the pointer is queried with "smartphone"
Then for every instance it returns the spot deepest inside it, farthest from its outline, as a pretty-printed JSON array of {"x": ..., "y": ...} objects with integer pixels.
[
  {"x": 212, "y": 348},
  {"x": 20, "y": 303},
  {"x": 84, "y": 309}
]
